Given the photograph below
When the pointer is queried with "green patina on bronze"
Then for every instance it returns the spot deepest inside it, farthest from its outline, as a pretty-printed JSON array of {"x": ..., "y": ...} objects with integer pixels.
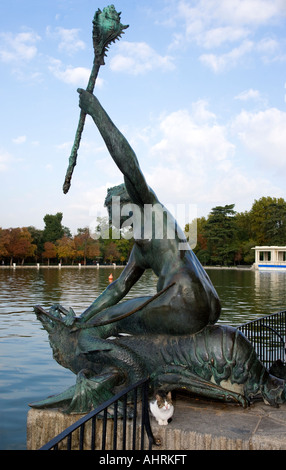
[
  {"x": 171, "y": 336},
  {"x": 106, "y": 30},
  {"x": 217, "y": 362}
]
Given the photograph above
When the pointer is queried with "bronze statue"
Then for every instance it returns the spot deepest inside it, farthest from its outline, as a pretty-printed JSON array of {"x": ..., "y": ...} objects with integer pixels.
[
  {"x": 172, "y": 336},
  {"x": 189, "y": 301}
]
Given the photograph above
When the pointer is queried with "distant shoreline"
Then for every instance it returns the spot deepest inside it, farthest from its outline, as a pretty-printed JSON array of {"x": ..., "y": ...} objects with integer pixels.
[{"x": 82, "y": 266}]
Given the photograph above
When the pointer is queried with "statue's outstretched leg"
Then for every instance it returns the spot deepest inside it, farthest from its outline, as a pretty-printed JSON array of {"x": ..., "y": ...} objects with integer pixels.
[{"x": 184, "y": 379}]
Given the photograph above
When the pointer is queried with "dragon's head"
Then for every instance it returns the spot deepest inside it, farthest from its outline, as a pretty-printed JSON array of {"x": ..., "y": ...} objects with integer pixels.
[{"x": 62, "y": 341}]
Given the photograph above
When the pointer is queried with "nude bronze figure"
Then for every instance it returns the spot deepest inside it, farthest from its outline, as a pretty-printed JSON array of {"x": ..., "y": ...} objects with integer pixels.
[{"x": 191, "y": 302}]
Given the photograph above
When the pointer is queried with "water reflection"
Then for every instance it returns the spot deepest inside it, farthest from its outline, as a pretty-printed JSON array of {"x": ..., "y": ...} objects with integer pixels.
[
  {"x": 28, "y": 370},
  {"x": 246, "y": 295}
]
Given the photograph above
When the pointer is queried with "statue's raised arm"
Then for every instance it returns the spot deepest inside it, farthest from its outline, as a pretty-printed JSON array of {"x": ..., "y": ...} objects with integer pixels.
[
  {"x": 192, "y": 296},
  {"x": 119, "y": 149}
]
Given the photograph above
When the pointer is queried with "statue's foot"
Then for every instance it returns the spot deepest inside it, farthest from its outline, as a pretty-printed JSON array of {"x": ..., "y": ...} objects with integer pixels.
[{"x": 88, "y": 393}]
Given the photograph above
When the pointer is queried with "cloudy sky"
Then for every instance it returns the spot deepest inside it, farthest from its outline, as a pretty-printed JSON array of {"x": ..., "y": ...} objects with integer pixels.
[{"x": 196, "y": 86}]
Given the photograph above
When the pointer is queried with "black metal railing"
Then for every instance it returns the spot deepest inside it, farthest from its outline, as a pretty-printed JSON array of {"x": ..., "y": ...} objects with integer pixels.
[
  {"x": 95, "y": 431},
  {"x": 267, "y": 335}
]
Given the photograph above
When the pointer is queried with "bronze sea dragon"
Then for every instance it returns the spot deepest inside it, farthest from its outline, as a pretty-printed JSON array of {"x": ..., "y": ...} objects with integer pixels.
[{"x": 218, "y": 362}]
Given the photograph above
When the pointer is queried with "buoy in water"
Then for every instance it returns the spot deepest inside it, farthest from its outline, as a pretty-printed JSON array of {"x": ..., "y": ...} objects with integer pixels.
[{"x": 110, "y": 277}]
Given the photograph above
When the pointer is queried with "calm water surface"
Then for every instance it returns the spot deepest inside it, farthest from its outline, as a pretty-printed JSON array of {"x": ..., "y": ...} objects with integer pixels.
[{"x": 27, "y": 370}]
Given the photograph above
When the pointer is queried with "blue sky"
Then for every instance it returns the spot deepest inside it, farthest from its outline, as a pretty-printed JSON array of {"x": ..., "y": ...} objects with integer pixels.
[{"x": 196, "y": 86}]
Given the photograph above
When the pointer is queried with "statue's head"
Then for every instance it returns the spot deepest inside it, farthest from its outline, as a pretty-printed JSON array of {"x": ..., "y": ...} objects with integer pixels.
[
  {"x": 117, "y": 191},
  {"x": 116, "y": 198}
]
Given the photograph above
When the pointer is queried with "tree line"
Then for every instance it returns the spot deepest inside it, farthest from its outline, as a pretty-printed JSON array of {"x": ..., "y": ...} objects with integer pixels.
[
  {"x": 55, "y": 244},
  {"x": 224, "y": 238}
]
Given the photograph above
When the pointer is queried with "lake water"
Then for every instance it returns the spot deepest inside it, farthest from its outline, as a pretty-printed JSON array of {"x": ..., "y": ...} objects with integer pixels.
[{"x": 28, "y": 371}]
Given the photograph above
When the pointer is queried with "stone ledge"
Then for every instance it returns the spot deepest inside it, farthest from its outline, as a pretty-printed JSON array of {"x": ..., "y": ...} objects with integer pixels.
[{"x": 197, "y": 425}]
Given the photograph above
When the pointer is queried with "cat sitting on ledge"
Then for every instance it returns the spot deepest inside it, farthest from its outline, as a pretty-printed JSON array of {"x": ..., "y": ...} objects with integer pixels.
[{"x": 162, "y": 407}]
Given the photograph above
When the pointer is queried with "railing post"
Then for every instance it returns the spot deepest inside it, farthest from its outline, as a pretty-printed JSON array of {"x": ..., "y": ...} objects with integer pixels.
[
  {"x": 93, "y": 433},
  {"x": 145, "y": 418},
  {"x": 134, "y": 418},
  {"x": 115, "y": 425}
]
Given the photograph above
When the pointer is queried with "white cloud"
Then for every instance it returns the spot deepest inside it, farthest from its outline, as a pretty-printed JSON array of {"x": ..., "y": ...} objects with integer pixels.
[
  {"x": 263, "y": 134},
  {"x": 236, "y": 25},
  {"x": 215, "y": 37},
  {"x": 18, "y": 47},
  {"x": 5, "y": 159},
  {"x": 245, "y": 12},
  {"x": 267, "y": 49},
  {"x": 191, "y": 156},
  {"x": 85, "y": 205},
  {"x": 69, "y": 41},
  {"x": 192, "y": 139},
  {"x": 20, "y": 140},
  {"x": 240, "y": 188},
  {"x": 219, "y": 63},
  {"x": 203, "y": 16},
  {"x": 252, "y": 96},
  {"x": 201, "y": 113},
  {"x": 77, "y": 76},
  {"x": 268, "y": 46},
  {"x": 139, "y": 58},
  {"x": 248, "y": 95},
  {"x": 197, "y": 160}
]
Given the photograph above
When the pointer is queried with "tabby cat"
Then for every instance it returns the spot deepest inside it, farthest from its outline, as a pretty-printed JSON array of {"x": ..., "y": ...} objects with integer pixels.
[{"x": 162, "y": 407}]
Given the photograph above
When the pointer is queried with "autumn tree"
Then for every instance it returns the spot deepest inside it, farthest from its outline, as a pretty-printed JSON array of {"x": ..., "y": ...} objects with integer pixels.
[
  {"x": 66, "y": 248},
  {"x": 20, "y": 244},
  {"x": 86, "y": 247},
  {"x": 111, "y": 253},
  {"x": 50, "y": 251},
  {"x": 4, "y": 242}
]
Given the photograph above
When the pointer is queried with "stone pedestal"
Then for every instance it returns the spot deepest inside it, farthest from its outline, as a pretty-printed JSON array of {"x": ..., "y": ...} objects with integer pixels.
[
  {"x": 44, "y": 425},
  {"x": 196, "y": 425}
]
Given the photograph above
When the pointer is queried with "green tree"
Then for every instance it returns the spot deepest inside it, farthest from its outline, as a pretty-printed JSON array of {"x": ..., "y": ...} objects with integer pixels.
[
  {"x": 124, "y": 247},
  {"x": 201, "y": 249},
  {"x": 268, "y": 221},
  {"x": 275, "y": 223},
  {"x": 244, "y": 238},
  {"x": 220, "y": 234},
  {"x": 53, "y": 230},
  {"x": 37, "y": 239}
]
